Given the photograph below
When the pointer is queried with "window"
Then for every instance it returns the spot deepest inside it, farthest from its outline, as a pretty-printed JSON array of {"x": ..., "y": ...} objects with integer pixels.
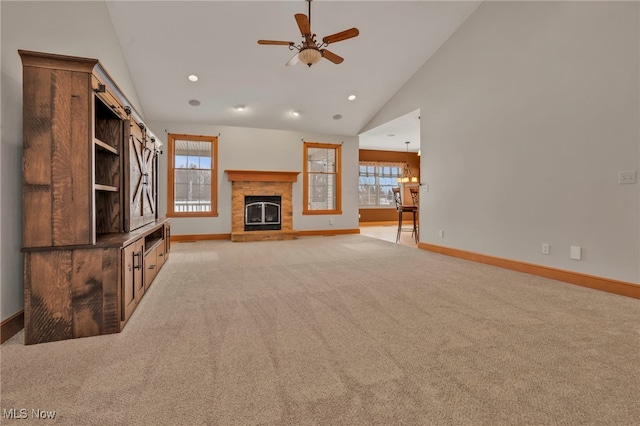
[
  {"x": 192, "y": 186},
  {"x": 322, "y": 186},
  {"x": 375, "y": 181}
]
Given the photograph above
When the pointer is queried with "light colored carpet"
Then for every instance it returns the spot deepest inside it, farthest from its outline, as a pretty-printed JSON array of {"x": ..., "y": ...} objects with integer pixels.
[{"x": 343, "y": 330}]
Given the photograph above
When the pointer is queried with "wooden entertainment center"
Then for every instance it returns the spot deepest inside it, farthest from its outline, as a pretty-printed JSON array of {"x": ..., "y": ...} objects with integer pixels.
[{"x": 92, "y": 240}]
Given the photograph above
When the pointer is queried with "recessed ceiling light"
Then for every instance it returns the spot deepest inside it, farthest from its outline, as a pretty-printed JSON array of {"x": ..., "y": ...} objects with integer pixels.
[
  {"x": 194, "y": 102},
  {"x": 337, "y": 116},
  {"x": 239, "y": 107},
  {"x": 295, "y": 113},
  {"x": 351, "y": 97},
  {"x": 193, "y": 77}
]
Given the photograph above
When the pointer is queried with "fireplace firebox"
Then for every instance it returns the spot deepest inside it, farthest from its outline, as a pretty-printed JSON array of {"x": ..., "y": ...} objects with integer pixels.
[{"x": 262, "y": 213}]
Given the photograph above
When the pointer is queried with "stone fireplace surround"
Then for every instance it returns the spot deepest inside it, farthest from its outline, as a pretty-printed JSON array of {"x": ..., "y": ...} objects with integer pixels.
[{"x": 261, "y": 183}]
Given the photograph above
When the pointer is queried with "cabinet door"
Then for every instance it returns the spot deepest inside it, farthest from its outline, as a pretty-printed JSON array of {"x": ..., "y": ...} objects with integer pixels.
[
  {"x": 140, "y": 271},
  {"x": 134, "y": 170},
  {"x": 149, "y": 177},
  {"x": 161, "y": 254},
  {"x": 167, "y": 240},
  {"x": 131, "y": 278},
  {"x": 140, "y": 173}
]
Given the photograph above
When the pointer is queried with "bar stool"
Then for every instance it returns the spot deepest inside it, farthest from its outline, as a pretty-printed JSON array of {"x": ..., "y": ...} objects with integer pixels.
[
  {"x": 405, "y": 208},
  {"x": 415, "y": 197}
]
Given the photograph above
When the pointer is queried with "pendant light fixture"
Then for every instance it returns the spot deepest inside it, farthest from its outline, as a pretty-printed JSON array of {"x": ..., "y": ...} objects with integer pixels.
[{"x": 407, "y": 175}]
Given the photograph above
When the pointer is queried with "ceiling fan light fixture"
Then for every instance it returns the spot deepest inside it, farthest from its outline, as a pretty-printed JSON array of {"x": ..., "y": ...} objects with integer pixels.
[
  {"x": 309, "y": 56},
  {"x": 310, "y": 51}
]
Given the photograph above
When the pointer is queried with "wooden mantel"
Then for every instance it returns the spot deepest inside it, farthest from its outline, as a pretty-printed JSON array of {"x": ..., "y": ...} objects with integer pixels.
[{"x": 261, "y": 176}]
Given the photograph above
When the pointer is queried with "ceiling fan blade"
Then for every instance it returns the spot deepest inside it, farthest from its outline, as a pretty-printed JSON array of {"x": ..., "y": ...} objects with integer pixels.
[
  {"x": 284, "y": 43},
  {"x": 342, "y": 35},
  {"x": 293, "y": 60},
  {"x": 303, "y": 24},
  {"x": 332, "y": 56}
]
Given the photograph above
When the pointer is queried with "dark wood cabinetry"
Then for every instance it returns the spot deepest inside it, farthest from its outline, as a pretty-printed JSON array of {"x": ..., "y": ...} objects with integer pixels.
[{"x": 90, "y": 231}]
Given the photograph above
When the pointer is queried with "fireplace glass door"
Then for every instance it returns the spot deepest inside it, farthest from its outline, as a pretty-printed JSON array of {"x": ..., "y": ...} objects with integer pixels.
[{"x": 262, "y": 213}]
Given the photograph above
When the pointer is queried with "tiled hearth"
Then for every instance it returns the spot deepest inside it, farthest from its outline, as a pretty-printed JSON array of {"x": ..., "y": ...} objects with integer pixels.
[{"x": 261, "y": 183}]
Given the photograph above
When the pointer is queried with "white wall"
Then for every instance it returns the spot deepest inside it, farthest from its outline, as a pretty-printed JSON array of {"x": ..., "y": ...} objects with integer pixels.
[
  {"x": 528, "y": 112},
  {"x": 71, "y": 28},
  {"x": 242, "y": 148}
]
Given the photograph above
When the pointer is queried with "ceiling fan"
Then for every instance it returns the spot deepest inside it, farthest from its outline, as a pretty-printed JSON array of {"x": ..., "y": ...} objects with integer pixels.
[{"x": 310, "y": 51}]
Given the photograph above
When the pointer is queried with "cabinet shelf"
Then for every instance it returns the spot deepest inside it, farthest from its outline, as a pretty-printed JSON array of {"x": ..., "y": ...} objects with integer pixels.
[
  {"x": 107, "y": 188},
  {"x": 153, "y": 239},
  {"x": 151, "y": 243},
  {"x": 104, "y": 146}
]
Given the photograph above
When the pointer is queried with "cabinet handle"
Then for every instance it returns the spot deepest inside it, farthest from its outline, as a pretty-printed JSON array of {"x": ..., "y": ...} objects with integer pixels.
[
  {"x": 145, "y": 178},
  {"x": 160, "y": 254},
  {"x": 139, "y": 256},
  {"x": 152, "y": 266}
]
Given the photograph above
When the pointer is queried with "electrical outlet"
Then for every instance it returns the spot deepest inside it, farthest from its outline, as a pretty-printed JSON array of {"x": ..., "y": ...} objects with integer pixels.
[
  {"x": 628, "y": 176},
  {"x": 441, "y": 233},
  {"x": 546, "y": 249},
  {"x": 331, "y": 221}
]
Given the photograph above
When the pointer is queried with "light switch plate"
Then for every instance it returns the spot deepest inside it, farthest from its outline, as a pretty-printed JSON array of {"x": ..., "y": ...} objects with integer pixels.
[{"x": 576, "y": 253}]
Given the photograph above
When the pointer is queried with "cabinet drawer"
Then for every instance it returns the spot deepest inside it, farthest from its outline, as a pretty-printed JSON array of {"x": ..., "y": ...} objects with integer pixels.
[{"x": 150, "y": 267}]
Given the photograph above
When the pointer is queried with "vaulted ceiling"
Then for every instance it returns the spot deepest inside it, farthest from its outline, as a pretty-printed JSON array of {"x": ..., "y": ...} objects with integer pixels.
[{"x": 165, "y": 41}]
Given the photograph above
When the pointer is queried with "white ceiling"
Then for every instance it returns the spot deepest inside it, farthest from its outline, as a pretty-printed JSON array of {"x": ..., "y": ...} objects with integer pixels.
[
  {"x": 392, "y": 136},
  {"x": 165, "y": 41}
]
